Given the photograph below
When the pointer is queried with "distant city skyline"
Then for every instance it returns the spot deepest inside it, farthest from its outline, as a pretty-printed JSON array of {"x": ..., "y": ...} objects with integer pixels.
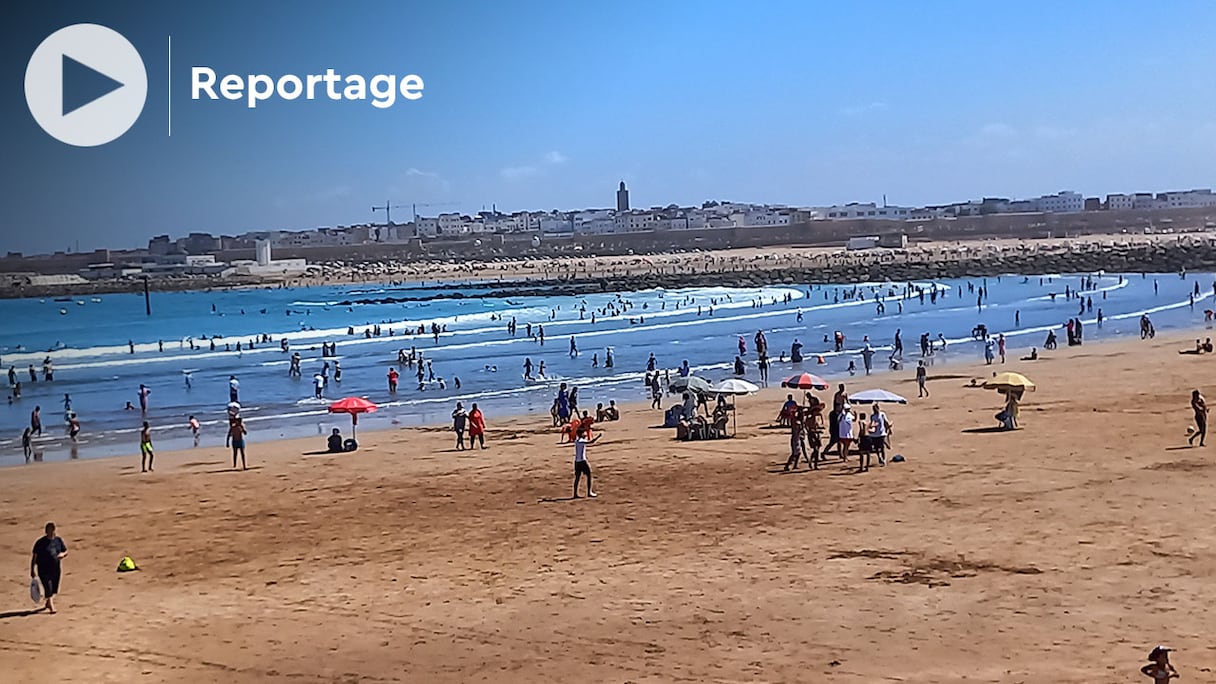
[
  {"x": 707, "y": 215},
  {"x": 535, "y": 106}
]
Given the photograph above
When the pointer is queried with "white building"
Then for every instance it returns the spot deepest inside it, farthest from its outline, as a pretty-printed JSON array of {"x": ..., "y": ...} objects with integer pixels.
[
  {"x": 556, "y": 224},
  {"x": 1186, "y": 199},
  {"x": 1120, "y": 202},
  {"x": 761, "y": 217},
  {"x": 1063, "y": 202},
  {"x": 858, "y": 210}
]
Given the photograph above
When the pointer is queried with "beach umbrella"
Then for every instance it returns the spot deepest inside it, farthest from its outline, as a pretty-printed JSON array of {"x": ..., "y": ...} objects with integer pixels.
[
  {"x": 691, "y": 383},
  {"x": 1010, "y": 381},
  {"x": 805, "y": 381},
  {"x": 871, "y": 396},
  {"x": 354, "y": 406},
  {"x": 735, "y": 386}
]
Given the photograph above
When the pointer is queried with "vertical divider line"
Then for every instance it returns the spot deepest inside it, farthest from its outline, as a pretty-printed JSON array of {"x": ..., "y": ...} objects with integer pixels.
[{"x": 170, "y": 89}]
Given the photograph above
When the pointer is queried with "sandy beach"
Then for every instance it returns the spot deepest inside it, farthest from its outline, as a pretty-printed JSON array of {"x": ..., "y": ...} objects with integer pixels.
[{"x": 1059, "y": 552}]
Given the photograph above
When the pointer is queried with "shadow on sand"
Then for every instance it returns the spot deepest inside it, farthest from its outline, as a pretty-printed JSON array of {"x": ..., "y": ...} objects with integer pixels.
[{"x": 20, "y": 613}]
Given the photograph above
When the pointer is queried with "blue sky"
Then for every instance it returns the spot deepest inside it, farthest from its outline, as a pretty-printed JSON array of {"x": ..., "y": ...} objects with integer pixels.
[{"x": 542, "y": 105}]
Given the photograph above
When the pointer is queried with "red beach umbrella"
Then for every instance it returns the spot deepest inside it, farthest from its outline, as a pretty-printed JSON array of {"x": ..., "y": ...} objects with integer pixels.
[
  {"x": 354, "y": 406},
  {"x": 805, "y": 381}
]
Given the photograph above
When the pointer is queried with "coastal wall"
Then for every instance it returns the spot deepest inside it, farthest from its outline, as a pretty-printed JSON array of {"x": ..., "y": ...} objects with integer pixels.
[
  {"x": 1187, "y": 253},
  {"x": 1100, "y": 240}
]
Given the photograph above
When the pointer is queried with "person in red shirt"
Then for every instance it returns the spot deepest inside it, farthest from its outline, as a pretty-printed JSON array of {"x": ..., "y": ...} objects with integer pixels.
[
  {"x": 392, "y": 379},
  {"x": 584, "y": 424},
  {"x": 477, "y": 427}
]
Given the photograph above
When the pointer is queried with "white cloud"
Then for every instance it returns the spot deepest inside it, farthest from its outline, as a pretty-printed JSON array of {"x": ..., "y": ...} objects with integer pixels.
[
  {"x": 418, "y": 172},
  {"x": 517, "y": 172},
  {"x": 555, "y": 157}
]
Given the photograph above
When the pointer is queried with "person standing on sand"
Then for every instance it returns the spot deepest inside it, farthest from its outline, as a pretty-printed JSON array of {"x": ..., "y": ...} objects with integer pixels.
[
  {"x": 797, "y": 427},
  {"x": 845, "y": 430},
  {"x": 26, "y": 446},
  {"x": 1200, "y": 407},
  {"x": 1159, "y": 667},
  {"x": 46, "y": 564},
  {"x": 581, "y": 467},
  {"x": 236, "y": 438},
  {"x": 459, "y": 419},
  {"x": 477, "y": 427},
  {"x": 838, "y": 401},
  {"x": 145, "y": 449},
  {"x": 922, "y": 374},
  {"x": 1000, "y": 346}
]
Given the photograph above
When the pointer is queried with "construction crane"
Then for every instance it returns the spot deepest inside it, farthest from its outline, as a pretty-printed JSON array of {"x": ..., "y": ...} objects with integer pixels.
[{"x": 388, "y": 208}]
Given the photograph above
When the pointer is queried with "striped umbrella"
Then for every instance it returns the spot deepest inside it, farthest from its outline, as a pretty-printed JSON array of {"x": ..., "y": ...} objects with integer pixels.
[{"x": 805, "y": 381}]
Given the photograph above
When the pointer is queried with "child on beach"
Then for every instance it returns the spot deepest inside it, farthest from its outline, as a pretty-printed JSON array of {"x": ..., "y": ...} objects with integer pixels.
[{"x": 236, "y": 437}]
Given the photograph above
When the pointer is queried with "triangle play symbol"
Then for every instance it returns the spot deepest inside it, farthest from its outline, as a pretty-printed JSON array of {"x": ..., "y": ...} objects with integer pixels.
[{"x": 83, "y": 85}]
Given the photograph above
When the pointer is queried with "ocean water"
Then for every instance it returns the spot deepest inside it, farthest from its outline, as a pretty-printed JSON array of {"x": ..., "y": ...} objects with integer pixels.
[{"x": 89, "y": 342}]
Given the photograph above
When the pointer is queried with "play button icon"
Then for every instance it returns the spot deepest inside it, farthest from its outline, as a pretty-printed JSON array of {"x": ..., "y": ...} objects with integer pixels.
[{"x": 85, "y": 85}]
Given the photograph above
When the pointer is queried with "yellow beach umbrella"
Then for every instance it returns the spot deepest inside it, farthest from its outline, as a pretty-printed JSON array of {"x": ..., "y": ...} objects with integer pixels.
[{"x": 1008, "y": 381}]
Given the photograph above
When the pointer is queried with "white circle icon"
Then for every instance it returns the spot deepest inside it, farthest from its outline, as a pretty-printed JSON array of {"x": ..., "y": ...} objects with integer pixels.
[{"x": 85, "y": 85}]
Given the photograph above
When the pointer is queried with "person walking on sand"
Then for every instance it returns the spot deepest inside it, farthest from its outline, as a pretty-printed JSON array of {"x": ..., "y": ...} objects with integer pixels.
[
  {"x": 26, "y": 446},
  {"x": 922, "y": 374},
  {"x": 459, "y": 419},
  {"x": 46, "y": 564},
  {"x": 477, "y": 427},
  {"x": 236, "y": 438},
  {"x": 1000, "y": 346},
  {"x": 145, "y": 448},
  {"x": 1200, "y": 407},
  {"x": 581, "y": 467}
]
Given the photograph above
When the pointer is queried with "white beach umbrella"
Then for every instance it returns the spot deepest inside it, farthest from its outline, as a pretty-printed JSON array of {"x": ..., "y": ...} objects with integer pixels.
[
  {"x": 735, "y": 386},
  {"x": 881, "y": 395}
]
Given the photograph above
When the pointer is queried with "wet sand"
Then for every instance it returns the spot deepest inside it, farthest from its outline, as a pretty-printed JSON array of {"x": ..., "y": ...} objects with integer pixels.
[{"x": 1060, "y": 552}]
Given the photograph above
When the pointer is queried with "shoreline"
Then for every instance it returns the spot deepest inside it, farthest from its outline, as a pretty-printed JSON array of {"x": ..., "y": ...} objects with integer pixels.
[
  {"x": 520, "y": 420},
  {"x": 106, "y": 440},
  {"x": 545, "y": 275}
]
